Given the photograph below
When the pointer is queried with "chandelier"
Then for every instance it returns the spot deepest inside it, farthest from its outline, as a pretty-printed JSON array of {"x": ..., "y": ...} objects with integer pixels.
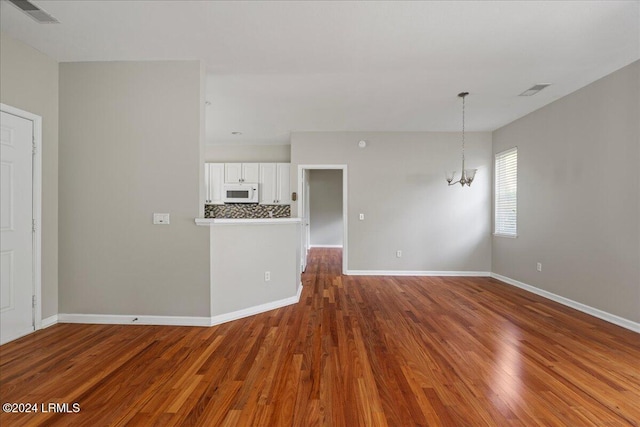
[{"x": 467, "y": 175}]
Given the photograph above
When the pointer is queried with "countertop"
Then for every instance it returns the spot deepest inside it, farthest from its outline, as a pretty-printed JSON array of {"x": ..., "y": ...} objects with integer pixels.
[{"x": 245, "y": 221}]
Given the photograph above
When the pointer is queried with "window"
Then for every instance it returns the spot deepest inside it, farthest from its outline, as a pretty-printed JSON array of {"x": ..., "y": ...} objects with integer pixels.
[{"x": 506, "y": 193}]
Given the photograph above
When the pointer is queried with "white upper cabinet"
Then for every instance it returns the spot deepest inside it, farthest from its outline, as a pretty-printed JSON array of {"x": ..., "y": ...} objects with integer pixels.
[
  {"x": 284, "y": 183},
  {"x": 267, "y": 182},
  {"x": 233, "y": 172},
  {"x": 241, "y": 172},
  {"x": 213, "y": 180},
  {"x": 274, "y": 180},
  {"x": 250, "y": 172},
  {"x": 275, "y": 183}
]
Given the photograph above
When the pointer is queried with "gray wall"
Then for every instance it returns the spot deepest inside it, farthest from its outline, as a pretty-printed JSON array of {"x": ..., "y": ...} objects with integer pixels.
[
  {"x": 398, "y": 182},
  {"x": 579, "y": 196},
  {"x": 130, "y": 145},
  {"x": 240, "y": 255},
  {"x": 247, "y": 153},
  {"x": 29, "y": 81},
  {"x": 325, "y": 207}
]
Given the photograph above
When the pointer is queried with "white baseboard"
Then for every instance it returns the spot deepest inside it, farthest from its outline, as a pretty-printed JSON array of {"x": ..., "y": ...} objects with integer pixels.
[
  {"x": 117, "y": 319},
  {"x": 49, "y": 321},
  {"x": 417, "y": 273},
  {"x": 227, "y": 317},
  {"x": 611, "y": 318},
  {"x": 325, "y": 246},
  {"x": 246, "y": 312}
]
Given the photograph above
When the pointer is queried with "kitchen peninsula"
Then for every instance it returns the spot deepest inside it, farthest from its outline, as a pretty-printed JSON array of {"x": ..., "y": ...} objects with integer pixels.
[{"x": 254, "y": 265}]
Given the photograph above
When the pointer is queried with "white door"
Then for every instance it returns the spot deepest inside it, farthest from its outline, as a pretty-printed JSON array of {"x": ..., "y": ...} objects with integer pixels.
[{"x": 16, "y": 216}]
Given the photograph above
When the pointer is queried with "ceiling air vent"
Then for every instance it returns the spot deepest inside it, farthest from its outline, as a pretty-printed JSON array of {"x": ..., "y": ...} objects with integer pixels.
[
  {"x": 534, "y": 89},
  {"x": 34, "y": 12}
]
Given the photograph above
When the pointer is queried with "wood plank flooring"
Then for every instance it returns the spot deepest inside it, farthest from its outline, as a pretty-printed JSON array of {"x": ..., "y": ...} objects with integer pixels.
[{"x": 355, "y": 351}]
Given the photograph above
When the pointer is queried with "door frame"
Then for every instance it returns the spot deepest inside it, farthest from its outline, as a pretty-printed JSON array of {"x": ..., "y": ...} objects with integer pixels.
[
  {"x": 36, "y": 190},
  {"x": 303, "y": 214},
  {"x": 345, "y": 225}
]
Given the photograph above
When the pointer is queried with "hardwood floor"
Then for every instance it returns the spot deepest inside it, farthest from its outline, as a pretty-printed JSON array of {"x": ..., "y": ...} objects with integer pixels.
[{"x": 355, "y": 351}]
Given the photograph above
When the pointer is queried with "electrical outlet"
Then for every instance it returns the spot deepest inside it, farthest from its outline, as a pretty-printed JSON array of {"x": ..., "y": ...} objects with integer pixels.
[
  {"x": 398, "y": 254},
  {"x": 267, "y": 276},
  {"x": 161, "y": 218},
  {"x": 539, "y": 266},
  {"x": 361, "y": 216}
]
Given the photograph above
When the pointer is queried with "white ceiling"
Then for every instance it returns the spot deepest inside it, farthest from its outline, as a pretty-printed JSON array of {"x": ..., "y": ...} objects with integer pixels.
[{"x": 280, "y": 66}]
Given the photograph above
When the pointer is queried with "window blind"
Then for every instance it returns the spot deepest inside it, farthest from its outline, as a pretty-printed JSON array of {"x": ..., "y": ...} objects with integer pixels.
[{"x": 506, "y": 193}]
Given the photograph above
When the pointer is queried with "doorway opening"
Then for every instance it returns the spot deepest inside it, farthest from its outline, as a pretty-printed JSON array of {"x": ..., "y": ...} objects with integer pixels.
[{"x": 324, "y": 219}]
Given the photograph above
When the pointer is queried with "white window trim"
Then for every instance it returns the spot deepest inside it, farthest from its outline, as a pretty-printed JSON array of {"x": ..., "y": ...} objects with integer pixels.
[
  {"x": 508, "y": 236},
  {"x": 496, "y": 156}
]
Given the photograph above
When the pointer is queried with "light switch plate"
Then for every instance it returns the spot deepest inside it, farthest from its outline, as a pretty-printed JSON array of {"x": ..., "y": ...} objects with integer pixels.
[{"x": 161, "y": 218}]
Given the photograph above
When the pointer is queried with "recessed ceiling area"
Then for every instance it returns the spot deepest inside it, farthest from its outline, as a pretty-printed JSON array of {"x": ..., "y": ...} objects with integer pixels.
[{"x": 276, "y": 67}]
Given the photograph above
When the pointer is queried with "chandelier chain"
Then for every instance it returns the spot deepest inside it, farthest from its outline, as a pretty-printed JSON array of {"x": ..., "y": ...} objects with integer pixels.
[
  {"x": 463, "y": 131},
  {"x": 466, "y": 175}
]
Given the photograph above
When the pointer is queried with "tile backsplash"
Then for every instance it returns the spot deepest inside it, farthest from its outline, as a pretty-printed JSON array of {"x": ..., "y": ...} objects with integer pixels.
[{"x": 247, "y": 210}]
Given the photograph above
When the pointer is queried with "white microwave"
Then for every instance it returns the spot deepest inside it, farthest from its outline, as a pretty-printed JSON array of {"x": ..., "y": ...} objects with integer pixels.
[{"x": 245, "y": 192}]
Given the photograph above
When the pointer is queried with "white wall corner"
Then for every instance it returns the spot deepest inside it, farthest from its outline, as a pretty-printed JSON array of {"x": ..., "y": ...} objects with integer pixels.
[
  {"x": 251, "y": 311},
  {"x": 49, "y": 321}
]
